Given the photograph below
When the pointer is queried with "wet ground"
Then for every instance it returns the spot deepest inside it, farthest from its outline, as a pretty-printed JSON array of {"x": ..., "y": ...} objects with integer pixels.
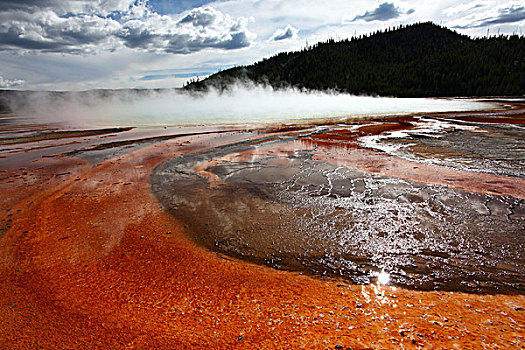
[
  {"x": 23, "y": 144},
  {"x": 89, "y": 258},
  {"x": 431, "y": 202},
  {"x": 299, "y": 199},
  {"x": 497, "y": 148}
]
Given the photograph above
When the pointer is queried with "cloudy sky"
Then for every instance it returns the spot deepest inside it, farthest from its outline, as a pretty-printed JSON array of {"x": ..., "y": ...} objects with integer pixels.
[{"x": 85, "y": 44}]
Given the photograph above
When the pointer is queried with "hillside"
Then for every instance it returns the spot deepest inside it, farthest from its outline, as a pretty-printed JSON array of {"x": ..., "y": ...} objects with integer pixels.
[{"x": 418, "y": 60}]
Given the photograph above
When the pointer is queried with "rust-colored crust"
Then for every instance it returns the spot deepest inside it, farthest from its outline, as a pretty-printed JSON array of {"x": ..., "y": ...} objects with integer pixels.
[{"x": 91, "y": 260}]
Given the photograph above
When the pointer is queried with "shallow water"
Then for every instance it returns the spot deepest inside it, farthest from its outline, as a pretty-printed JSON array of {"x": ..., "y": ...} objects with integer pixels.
[
  {"x": 271, "y": 202},
  {"x": 481, "y": 147}
]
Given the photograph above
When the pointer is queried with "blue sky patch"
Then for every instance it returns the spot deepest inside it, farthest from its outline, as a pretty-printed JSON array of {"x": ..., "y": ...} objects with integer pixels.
[
  {"x": 166, "y": 7},
  {"x": 173, "y": 75}
]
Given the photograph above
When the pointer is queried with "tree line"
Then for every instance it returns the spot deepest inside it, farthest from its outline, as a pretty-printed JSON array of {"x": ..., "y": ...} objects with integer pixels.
[{"x": 419, "y": 60}]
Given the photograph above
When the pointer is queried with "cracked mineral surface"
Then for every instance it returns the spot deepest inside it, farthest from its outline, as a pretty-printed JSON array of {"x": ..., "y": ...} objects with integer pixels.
[{"x": 273, "y": 200}]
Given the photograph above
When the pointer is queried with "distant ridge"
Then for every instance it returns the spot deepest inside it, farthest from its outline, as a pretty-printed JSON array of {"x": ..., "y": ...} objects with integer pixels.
[{"x": 419, "y": 60}]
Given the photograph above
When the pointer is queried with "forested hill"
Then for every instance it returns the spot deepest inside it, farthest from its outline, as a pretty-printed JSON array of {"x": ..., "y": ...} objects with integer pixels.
[{"x": 417, "y": 60}]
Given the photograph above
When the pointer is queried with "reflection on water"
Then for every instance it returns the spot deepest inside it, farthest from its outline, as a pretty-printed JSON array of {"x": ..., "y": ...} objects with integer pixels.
[
  {"x": 383, "y": 278},
  {"x": 271, "y": 202}
]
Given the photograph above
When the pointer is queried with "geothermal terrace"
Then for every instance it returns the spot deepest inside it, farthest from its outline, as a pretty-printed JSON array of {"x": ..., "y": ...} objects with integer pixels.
[{"x": 391, "y": 231}]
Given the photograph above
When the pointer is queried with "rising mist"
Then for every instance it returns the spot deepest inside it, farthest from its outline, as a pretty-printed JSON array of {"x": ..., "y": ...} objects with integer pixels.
[{"x": 240, "y": 104}]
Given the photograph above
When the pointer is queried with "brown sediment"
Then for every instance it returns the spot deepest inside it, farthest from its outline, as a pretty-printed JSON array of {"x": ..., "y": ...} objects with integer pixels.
[
  {"x": 376, "y": 128},
  {"x": 91, "y": 260},
  {"x": 347, "y": 138}
]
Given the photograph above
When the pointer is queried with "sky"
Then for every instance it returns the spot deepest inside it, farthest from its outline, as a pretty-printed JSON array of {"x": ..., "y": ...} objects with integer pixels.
[{"x": 97, "y": 44}]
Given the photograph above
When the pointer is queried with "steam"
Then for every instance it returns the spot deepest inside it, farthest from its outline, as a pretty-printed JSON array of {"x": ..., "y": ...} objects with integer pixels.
[{"x": 241, "y": 104}]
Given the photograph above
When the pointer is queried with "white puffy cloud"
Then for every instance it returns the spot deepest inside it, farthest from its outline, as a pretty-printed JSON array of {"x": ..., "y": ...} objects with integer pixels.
[
  {"x": 46, "y": 31},
  {"x": 10, "y": 83},
  {"x": 97, "y": 27},
  {"x": 199, "y": 29}
]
